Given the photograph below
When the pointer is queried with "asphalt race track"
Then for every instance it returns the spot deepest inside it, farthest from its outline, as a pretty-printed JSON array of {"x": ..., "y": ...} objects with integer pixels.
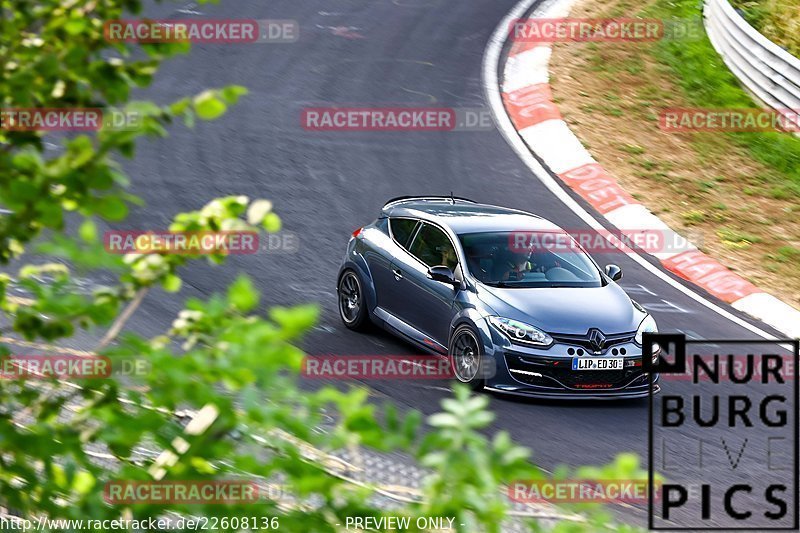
[{"x": 363, "y": 53}]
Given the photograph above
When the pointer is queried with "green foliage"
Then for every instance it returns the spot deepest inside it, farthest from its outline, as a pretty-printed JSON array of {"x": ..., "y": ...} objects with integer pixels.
[
  {"x": 469, "y": 469},
  {"x": 225, "y": 360},
  {"x": 56, "y": 56},
  {"x": 708, "y": 83},
  {"x": 778, "y": 20}
]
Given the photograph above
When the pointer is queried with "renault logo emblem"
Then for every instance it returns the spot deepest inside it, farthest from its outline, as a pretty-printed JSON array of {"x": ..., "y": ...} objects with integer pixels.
[{"x": 597, "y": 340}]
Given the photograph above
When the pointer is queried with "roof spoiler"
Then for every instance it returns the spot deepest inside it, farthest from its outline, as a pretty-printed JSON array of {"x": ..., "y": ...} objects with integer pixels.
[{"x": 402, "y": 199}]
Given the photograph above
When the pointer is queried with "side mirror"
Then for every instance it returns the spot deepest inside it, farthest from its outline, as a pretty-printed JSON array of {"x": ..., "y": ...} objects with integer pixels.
[
  {"x": 614, "y": 272},
  {"x": 443, "y": 274}
]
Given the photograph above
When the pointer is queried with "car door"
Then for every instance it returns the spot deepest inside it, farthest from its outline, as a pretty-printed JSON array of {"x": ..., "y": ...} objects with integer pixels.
[
  {"x": 401, "y": 230},
  {"x": 425, "y": 304}
]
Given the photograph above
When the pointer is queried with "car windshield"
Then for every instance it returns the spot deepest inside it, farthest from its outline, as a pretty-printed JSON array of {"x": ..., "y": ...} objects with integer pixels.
[{"x": 528, "y": 259}]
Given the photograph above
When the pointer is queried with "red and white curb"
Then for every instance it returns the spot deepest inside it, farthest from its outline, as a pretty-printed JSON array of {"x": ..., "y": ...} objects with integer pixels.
[{"x": 528, "y": 101}]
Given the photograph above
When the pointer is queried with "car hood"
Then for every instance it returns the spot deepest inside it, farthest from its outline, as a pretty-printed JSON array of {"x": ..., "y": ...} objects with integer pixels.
[{"x": 568, "y": 310}]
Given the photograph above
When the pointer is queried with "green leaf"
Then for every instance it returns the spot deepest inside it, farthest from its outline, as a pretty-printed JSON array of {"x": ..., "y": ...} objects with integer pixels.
[
  {"x": 111, "y": 208},
  {"x": 75, "y": 26},
  {"x": 272, "y": 223},
  {"x": 171, "y": 283},
  {"x": 179, "y": 107},
  {"x": 208, "y": 106},
  {"x": 242, "y": 294},
  {"x": 80, "y": 151},
  {"x": 23, "y": 191},
  {"x": 27, "y": 161},
  {"x": 295, "y": 319},
  {"x": 444, "y": 420},
  {"x": 88, "y": 231},
  {"x": 50, "y": 214},
  {"x": 83, "y": 482},
  {"x": 232, "y": 93},
  {"x": 627, "y": 462},
  {"x": 202, "y": 466}
]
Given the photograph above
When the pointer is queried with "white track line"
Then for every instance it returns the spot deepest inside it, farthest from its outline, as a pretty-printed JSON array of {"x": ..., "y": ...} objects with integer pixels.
[{"x": 491, "y": 85}]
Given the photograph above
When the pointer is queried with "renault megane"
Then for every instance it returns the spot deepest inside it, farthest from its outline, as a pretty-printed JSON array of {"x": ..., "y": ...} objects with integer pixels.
[{"x": 512, "y": 300}]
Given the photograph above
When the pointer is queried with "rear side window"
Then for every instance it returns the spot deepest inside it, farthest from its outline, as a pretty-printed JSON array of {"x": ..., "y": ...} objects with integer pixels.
[
  {"x": 433, "y": 247},
  {"x": 402, "y": 228}
]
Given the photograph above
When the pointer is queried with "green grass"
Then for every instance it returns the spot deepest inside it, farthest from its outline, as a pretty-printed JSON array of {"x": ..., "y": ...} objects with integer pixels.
[
  {"x": 778, "y": 20},
  {"x": 737, "y": 239},
  {"x": 786, "y": 254},
  {"x": 706, "y": 185},
  {"x": 633, "y": 149},
  {"x": 707, "y": 83},
  {"x": 693, "y": 217}
]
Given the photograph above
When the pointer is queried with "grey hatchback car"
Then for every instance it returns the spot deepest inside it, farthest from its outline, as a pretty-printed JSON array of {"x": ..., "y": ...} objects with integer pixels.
[{"x": 476, "y": 284}]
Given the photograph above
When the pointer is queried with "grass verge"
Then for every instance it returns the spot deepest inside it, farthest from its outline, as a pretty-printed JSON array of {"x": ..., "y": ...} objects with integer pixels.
[
  {"x": 708, "y": 83},
  {"x": 737, "y": 195},
  {"x": 778, "y": 20}
]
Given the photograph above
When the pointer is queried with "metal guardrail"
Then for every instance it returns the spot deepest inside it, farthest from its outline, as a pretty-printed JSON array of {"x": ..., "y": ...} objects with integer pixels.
[{"x": 771, "y": 73}]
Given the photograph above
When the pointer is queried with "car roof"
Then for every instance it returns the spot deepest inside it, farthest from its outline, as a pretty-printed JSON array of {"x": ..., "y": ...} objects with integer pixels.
[{"x": 465, "y": 216}]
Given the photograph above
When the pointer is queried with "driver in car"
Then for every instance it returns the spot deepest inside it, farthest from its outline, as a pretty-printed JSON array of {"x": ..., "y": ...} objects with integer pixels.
[
  {"x": 514, "y": 266},
  {"x": 449, "y": 258}
]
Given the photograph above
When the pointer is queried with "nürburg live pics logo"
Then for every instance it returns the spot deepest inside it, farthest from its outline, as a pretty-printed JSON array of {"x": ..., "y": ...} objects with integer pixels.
[{"x": 724, "y": 441}]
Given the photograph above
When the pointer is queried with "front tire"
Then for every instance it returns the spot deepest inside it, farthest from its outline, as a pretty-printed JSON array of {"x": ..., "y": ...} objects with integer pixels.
[
  {"x": 352, "y": 306},
  {"x": 466, "y": 357}
]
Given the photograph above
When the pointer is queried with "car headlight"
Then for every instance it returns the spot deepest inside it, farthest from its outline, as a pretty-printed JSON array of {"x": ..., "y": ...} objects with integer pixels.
[
  {"x": 521, "y": 332},
  {"x": 648, "y": 325}
]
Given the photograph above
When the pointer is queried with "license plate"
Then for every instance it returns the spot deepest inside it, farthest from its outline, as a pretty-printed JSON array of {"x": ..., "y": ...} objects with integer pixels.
[{"x": 598, "y": 363}]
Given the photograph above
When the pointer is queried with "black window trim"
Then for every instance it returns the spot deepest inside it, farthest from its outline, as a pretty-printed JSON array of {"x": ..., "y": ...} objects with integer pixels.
[
  {"x": 440, "y": 228},
  {"x": 407, "y": 245}
]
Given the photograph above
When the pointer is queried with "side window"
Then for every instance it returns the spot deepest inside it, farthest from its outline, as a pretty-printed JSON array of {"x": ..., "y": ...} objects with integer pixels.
[
  {"x": 433, "y": 247},
  {"x": 401, "y": 229}
]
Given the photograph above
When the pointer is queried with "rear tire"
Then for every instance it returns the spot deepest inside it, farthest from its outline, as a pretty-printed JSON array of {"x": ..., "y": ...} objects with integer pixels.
[
  {"x": 466, "y": 357},
  {"x": 352, "y": 307}
]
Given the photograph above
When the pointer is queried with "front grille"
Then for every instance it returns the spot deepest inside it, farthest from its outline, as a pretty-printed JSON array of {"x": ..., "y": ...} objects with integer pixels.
[
  {"x": 583, "y": 340},
  {"x": 578, "y": 378},
  {"x": 540, "y": 380},
  {"x": 557, "y": 373}
]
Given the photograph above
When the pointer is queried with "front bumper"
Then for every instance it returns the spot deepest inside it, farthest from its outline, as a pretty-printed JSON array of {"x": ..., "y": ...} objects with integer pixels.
[{"x": 547, "y": 372}]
